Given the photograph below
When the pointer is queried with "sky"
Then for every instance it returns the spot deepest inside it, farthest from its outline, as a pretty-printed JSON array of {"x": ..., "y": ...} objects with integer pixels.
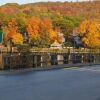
[{"x": 31, "y": 1}]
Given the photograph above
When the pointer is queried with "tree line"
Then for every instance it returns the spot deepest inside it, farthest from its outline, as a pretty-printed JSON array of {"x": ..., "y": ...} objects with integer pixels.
[{"x": 39, "y": 24}]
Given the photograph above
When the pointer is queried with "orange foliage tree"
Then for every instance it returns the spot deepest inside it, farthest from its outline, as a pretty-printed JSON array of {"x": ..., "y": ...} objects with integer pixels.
[
  {"x": 89, "y": 31},
  {"x": 36, "y": 27},
  {"x": 12, "y": 34},
  {"x": 53, "y": 36},
  {"x": 47, "y": 23},
  {"x": 32, "y": 28}
]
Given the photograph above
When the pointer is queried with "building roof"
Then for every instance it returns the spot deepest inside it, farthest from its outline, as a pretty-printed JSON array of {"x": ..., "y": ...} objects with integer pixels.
[{"x": 56, "y": 44}]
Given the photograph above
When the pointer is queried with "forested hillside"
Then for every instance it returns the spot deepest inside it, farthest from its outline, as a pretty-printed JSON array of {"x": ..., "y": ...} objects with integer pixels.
[{"x": 41, "y": 22}]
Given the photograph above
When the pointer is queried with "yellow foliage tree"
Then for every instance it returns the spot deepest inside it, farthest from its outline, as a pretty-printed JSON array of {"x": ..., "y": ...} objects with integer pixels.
[
  {"x": 89, "y": 31},
  {"x": 12, "y": 34},
  {"x": 17, "y": 38},
  {"x": 53, "y": 36}
]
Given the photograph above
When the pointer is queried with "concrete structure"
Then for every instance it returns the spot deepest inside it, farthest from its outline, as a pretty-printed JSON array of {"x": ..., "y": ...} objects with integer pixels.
[
  {"x": 15, "y": 61},
  {"x": 56, "y": 45},
  {"x": 47, "y": 57}
]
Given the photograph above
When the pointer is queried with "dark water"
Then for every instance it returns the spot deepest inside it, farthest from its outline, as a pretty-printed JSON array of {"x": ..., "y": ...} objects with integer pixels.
[{"x": 63, "y": 84}]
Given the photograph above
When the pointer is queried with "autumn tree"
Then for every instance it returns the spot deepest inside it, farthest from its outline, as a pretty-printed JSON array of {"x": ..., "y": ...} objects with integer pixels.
[
  {"x": 32, "y": 27},
  {"x": 66, "y": 25},
  {"x": 53, "y": 35},
  {"x": 12, "y": 34},
  {"x": 43, "y": 40},
  {"x": 89, "y": 31},
  {"x": 21, "y": 21},
  {"x": 47, "y": 23},
  {"x": 40, "y": 31}
]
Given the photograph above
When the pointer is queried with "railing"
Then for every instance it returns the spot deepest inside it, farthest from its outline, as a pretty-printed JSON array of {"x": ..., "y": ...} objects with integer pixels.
[{"x": 51, "y": 50}]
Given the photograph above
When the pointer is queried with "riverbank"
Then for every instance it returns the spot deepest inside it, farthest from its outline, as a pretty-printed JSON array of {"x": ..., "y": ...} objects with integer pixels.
[{"x": 45, "y": 68}]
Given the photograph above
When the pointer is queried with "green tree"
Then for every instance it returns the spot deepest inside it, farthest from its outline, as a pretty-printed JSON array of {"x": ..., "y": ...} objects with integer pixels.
[{"x": 66, "y": 25}]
